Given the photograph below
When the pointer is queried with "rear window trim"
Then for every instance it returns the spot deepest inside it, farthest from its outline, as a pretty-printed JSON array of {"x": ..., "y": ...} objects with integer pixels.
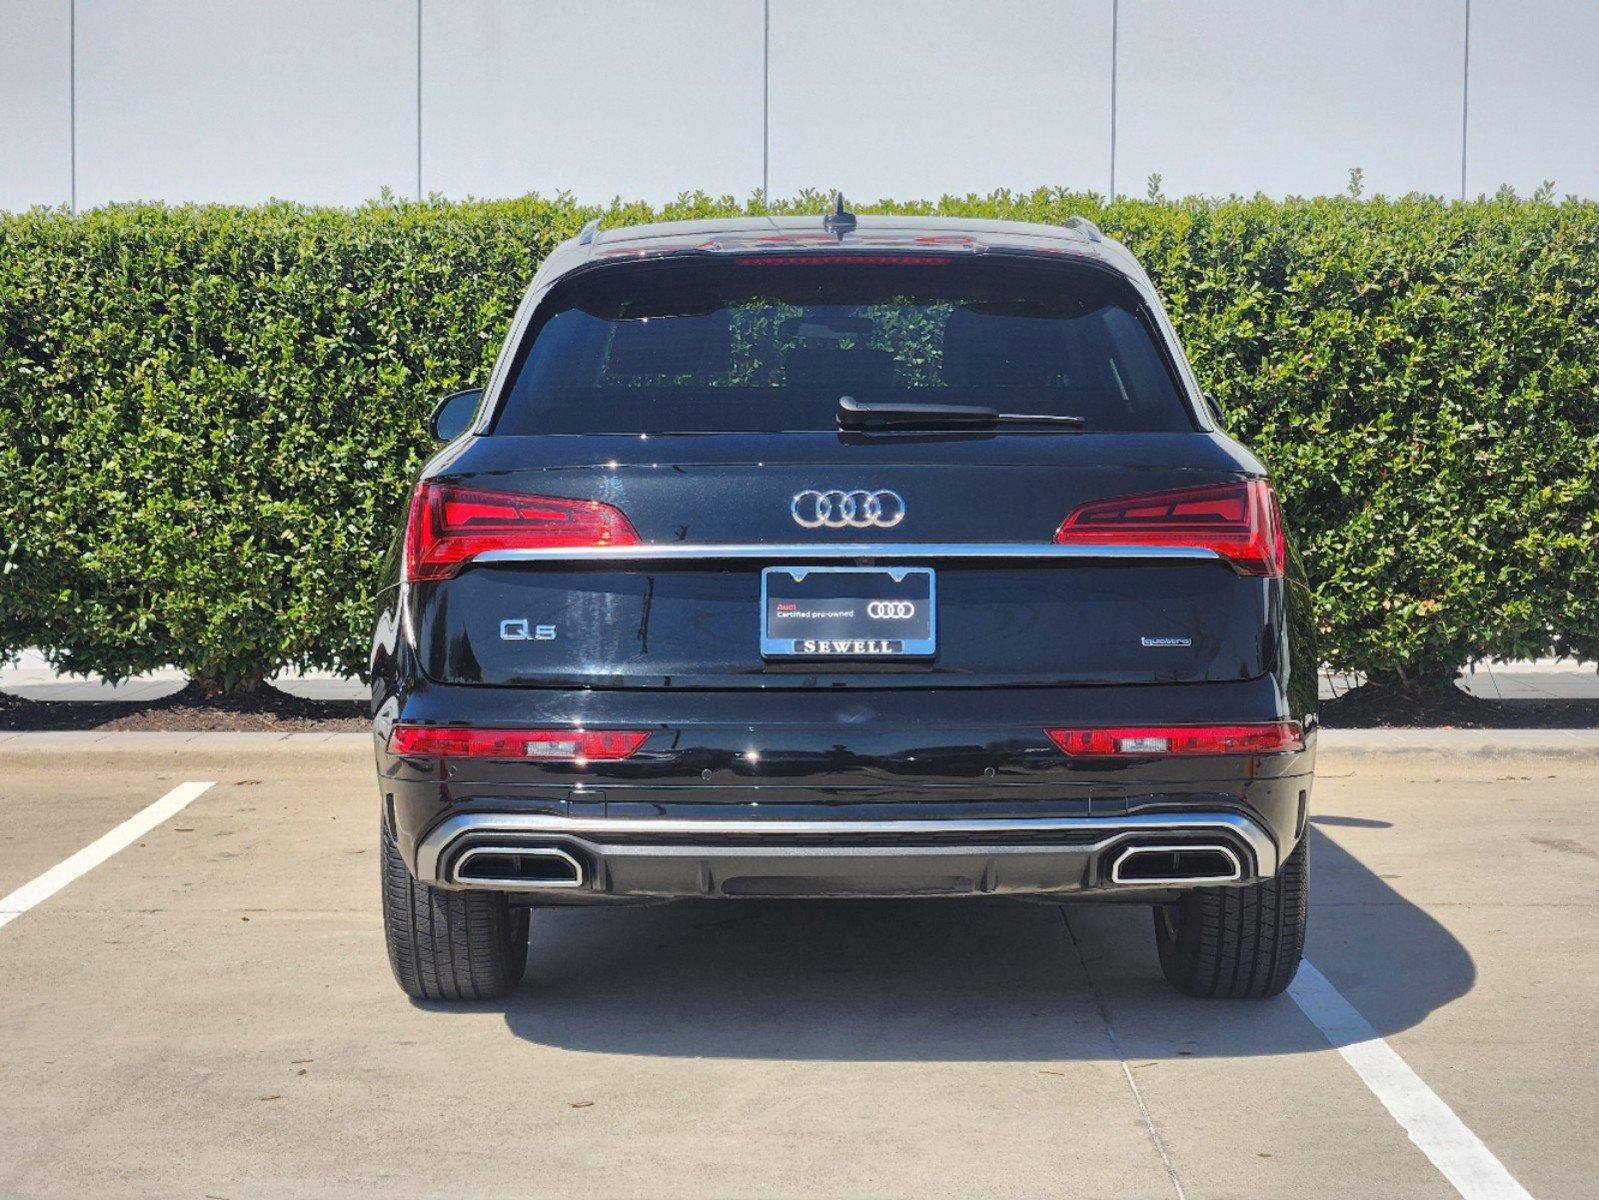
[{"x": 524, "y": 331}]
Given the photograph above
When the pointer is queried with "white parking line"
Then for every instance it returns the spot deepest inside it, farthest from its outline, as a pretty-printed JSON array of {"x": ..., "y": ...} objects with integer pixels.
[
  {"x": 1442, "y": 1136},
  {"x": 96, "y": 852}
]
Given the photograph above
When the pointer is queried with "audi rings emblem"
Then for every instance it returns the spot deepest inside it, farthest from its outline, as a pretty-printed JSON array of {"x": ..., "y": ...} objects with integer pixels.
[
  {"x": 848, "y": 510},
  {"x": 891, "y": 610}
]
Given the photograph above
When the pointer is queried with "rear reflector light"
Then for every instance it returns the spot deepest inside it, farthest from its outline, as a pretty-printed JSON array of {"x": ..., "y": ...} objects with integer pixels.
[
  {"x": 1241, "y": 522},
  {"x": 1127, "y": 741},
  {"x": 559, "y": 745},
  {"x": 450, "y": 525}
]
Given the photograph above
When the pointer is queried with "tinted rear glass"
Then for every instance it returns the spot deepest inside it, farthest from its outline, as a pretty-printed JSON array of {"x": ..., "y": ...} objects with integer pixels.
[{"x": 700, "y": 345}]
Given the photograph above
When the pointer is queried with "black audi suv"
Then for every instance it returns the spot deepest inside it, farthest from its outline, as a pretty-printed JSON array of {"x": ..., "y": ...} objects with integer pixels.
[{"x": 827, "y": 557}]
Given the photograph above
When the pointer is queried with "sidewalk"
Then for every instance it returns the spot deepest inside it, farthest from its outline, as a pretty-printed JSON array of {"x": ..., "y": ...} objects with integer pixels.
[
  {"x": 1496, "y": 679},
  {"x": 32, "y": 678}
]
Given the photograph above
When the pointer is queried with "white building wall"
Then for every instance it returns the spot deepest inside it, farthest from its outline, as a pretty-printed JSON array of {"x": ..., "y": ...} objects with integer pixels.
[
  {"x": 1284, "y": 98},
  {"x": 607, "y": 98},
  {"x": 317, "y": 100},
  {"x": 244, "y": 100},
  {"x": 35, "y": 120},
  {"x": 917, "y": 98},
  {"x": 1534, "y": 96}
]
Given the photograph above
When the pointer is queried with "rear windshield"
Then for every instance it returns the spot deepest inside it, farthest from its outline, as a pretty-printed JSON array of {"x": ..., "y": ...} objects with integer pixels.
[{"x": 766, "y": 344}]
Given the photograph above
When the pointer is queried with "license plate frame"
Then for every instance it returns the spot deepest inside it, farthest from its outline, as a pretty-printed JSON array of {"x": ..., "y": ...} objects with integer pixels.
[{"x": 866, "y": 637}]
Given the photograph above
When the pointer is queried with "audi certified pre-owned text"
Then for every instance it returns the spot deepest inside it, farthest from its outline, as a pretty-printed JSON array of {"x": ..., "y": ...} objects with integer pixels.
[{"x": 842, "y": 557}]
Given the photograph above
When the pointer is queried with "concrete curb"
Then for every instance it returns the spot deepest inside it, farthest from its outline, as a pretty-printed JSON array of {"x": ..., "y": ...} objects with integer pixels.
[
  {"x": 108, "y": 739},
  {"x": 1581, "y": 743}
]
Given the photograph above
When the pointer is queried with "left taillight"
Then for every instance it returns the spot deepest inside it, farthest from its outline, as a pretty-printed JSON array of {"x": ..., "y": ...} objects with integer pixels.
[
  {"x": 449, "y": 525},
  {"x": 1239, "y": 522},
  {"x": 551, "y": 745}
]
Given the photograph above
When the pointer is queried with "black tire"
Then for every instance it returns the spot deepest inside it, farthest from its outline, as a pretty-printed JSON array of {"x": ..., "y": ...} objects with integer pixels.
[
  {"x": 449, "y": 945},
  {"x": 1237, "y": 943}
]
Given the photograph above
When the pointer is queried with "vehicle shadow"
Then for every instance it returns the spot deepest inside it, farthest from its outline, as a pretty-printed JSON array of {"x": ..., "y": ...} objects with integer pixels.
[{"x": 954, "y": 980}]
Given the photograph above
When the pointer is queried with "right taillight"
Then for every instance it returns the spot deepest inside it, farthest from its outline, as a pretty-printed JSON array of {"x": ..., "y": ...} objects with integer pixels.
[
  {"x": 450, "y": 525},
  {"x": 1240, "y": 522},
  {"x": 1140, "y": 741}
]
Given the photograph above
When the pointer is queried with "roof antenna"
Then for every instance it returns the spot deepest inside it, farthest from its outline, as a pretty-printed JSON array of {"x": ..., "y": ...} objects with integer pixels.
[{"x": 840, "y": 221}]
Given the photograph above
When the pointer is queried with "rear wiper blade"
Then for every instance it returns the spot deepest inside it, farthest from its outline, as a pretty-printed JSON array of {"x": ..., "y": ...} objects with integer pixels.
[{"x": 861, "y": 414}]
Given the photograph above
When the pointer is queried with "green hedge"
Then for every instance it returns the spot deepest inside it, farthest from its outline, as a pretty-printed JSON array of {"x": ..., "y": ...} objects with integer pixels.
[{"x": 208, "y": 414}]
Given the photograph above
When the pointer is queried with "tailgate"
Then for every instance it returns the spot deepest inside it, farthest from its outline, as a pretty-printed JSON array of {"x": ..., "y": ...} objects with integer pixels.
[{"x": 1011, "y": 609}]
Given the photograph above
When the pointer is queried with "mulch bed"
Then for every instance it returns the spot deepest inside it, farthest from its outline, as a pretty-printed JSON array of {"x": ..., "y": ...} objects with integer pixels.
[
  {"x": 272, "y": 711},
  {"x": 264, "y": 711},
  {"x": 1374, "y": 707}
]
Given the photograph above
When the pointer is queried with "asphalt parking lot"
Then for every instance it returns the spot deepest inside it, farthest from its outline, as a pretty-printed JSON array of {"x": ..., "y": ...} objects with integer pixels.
[{"x": 208, "y": 1011}]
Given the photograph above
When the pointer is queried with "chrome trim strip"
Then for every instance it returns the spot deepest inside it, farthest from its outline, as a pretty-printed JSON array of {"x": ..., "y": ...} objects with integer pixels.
[
  {"x": 513, "y": 884},
  {"x": 1133, "y": 851},
  {"x": 782, "y": 552},
  {"x": 593, "y": 830}
]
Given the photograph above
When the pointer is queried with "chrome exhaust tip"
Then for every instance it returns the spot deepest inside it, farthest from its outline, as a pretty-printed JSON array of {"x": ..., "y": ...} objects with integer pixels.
[
  {"x": 516, "y": 868},
  {"x": 1181, "y": 862}
]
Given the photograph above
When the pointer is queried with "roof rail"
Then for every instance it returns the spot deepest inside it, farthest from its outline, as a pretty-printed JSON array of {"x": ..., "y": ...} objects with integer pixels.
[
  {"x": 586, "y": 234},
  {"x": 1085, "y": 227}
]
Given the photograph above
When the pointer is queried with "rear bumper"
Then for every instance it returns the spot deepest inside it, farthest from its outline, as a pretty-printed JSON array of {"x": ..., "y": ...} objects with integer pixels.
[
  {"x": 852, "y": 792},
  {"x": 668, "y": 858}
]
